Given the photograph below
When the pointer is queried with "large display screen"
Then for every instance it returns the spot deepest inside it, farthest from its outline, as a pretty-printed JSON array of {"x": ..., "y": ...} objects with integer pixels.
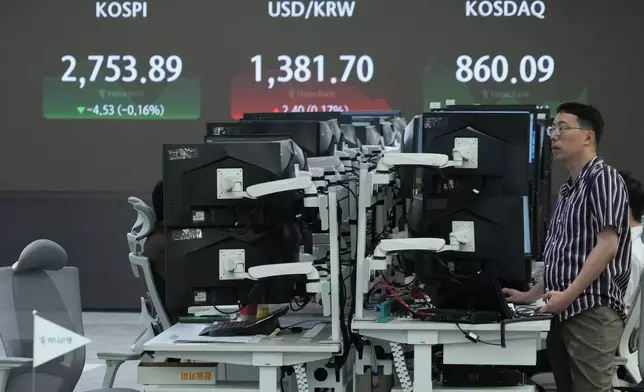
[{"x": 78, "y": 64}]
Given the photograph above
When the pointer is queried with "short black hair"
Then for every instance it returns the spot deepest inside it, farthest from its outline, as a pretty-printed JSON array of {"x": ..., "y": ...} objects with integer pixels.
[
  {"x": 587, "y": 116},
  {"x": 157, "y": 201},
  {"x": 635, "y": 195}
]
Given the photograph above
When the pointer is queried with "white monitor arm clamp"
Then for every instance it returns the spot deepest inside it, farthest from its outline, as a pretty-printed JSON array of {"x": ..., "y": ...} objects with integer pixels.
[
  {"x": 464, "y": 153},
  {"x": 461, "y": 239},
  {"x": 231, "y": 186},
  {"x": 313, "y": 285}
]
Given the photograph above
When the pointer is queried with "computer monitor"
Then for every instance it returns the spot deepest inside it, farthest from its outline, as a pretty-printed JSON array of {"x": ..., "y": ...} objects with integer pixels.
[
  {"x": 371, "y": 135},
  {"x": 193, "y": 266},
  {"x": 315, "y": 138},
  {"x": 368, "y": 116},
  {"x": 539, "y": 141},
  {"x": 501, "y": 234},
  {"x": 388, "y": 134},
  {"x": 349, "y": 136},
  {"x": 540, "y": 195},
  {"x": 334, "y": 126},
  {"x": 297, "y": 116},
  {"x": 399, "y": 124},
  {"x": 504, "y": 156},
  {"x": 191, "y": 173},
  {"x": 221, "y": 128}
]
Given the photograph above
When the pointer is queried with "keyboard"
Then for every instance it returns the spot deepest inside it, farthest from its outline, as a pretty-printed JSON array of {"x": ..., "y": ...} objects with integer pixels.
[
  {"x": 226, "y": 326},
  {"x": 263, "y": 326}
]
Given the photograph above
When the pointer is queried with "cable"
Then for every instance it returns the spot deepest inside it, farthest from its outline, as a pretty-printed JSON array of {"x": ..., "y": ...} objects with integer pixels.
[
  {"x": 301, "y": 306},
  {"x": 316, "y": 322},
  {"x": 282, "y": 375},
  {"x": 300, "y": 377},
  {"x": 241, "y": 307},
  {"x": 401, "y": 367},
  {"x": 474, "y": 338}
]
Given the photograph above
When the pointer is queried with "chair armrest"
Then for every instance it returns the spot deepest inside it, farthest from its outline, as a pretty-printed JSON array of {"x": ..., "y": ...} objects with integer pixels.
[
  {"x": 122, "y": 357},
  {"x": 13, "y": 362}
]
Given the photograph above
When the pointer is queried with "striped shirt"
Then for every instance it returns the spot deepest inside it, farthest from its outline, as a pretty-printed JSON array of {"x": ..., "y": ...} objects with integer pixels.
[{"x": 595, "y": 200}]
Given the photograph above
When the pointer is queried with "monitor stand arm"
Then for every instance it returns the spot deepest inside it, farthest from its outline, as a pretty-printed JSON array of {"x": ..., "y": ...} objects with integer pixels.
[
  {"x": 461, "y": 239},
  {"x": 286, "y": 269},
  {"x": 464, "y": 155}
]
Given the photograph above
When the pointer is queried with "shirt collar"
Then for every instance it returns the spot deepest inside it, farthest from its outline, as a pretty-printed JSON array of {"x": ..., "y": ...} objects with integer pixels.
[{"x": 588, "y": 167}]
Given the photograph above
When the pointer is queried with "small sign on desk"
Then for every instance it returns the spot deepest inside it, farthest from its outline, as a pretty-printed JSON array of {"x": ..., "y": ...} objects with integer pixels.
[{"x": 170, "y": 373}]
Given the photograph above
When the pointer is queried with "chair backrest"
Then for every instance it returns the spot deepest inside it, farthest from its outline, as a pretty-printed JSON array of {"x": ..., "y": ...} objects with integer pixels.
[
  {"x": 137, "y": 224},
  {"x": 138, "y": 261},
  {"x": 145, "y": 221},
  {"x": 41, "y": 281},
  {"x": 640, "y": 335},
  {"x": 148, "y": 220},
  {"x": 628, "y": 342}
]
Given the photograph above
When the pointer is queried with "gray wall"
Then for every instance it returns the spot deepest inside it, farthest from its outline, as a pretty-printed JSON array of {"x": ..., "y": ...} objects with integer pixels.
[
  {"x": 69, "y": 180},
  {"x": 90, "y": 226}
]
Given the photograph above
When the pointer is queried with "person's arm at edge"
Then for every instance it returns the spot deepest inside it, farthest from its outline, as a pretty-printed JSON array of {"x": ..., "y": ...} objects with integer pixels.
[
  {"x": 602, "y": 254},
  {"x": 609, "y": 203},
  {"x": 536, "y": 291}
]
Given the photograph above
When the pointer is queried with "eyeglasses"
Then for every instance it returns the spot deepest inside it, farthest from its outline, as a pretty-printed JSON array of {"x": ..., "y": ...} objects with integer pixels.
[{"x": 558, "y": 130}]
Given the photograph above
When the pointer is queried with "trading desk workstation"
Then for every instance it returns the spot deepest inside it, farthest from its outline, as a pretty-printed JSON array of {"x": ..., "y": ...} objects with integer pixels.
[{"x": 320, "y": 247}]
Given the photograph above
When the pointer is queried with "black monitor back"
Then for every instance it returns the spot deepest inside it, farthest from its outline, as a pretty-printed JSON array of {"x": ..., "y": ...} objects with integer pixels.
[
  {"x": 540, "y": 194},
  {"x": 504, "y": 148},
  {"x": 501, "y": 231},
  {"x": 190, "y": 173},
  {"x": 192, "y": 266},
  {"x": 293, "y": 116},
  {"x": 388, "y": 133},
  {"x": 350, "y": 137},
  {"x": 221, "y": 128},
  {"x": 540, "y": 142},
  {"x": 315, "y": 138}
]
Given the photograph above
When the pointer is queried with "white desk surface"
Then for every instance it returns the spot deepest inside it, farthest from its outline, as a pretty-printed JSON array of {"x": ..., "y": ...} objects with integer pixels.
[
  {"x": 174, "y": 340},
  {"x": 419, "y": 325}
]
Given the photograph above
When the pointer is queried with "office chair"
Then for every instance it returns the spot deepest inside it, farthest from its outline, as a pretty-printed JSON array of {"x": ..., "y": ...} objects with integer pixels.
[
  {"x": 154, "y": 318},
  {"x": 41, "y": 281}
]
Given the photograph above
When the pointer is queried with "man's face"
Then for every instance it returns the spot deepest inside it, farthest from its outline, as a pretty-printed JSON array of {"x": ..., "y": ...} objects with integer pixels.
[{"x": 568, "y": 138}]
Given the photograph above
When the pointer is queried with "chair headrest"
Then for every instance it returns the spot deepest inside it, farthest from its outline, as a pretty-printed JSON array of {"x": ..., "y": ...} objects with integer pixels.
[
  {"x": 134, "y": 200},
  {"x": 146, "y": 214},
  {"x": 41, "y": 255}
]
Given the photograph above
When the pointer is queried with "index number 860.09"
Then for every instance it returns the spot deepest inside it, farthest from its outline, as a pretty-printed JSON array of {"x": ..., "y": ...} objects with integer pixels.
[
  {"x": 124, "y": 69},
  {"x": 497, "y": 69}
]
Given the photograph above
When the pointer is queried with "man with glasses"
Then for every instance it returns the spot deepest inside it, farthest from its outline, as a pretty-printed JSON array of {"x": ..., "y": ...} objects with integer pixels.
[{"x": 586, "y": 257}]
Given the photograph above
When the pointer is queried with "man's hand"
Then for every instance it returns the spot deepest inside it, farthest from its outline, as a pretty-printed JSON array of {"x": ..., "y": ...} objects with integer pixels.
[
  {"x": 556, "y": 301},
  {"x": 517, "y": 297}
]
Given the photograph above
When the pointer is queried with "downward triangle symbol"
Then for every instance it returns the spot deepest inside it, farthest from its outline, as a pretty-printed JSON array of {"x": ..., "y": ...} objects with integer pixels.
[{"x": 80, "y": 109}]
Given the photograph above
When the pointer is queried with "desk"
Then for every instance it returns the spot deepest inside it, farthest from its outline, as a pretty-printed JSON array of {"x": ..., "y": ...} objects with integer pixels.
[
  {"x": 523, "y": 339},
  {"x": 268, "y": 354}
]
